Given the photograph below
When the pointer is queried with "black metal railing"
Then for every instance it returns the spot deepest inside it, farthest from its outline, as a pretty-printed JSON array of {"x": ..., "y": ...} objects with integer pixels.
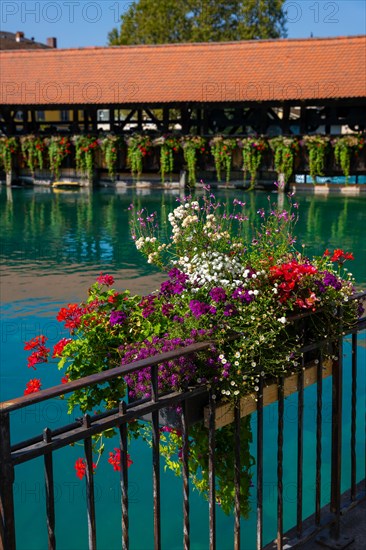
[{"x": 50, "y": 441}]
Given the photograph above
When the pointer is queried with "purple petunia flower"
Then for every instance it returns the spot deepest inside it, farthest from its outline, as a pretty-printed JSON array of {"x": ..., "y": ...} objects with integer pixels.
[
  {"x": 198, "y": 308},
  {"x": 218, "y": 294},
  {"x": 117, "y": 318},
  {"x": 230, "y": 310},
  {"x": 176, "y": 275},
  {"x": 332, "y": 280},
  {"x": 242, "y": 295},
  {"x": 166, "y": 309}
]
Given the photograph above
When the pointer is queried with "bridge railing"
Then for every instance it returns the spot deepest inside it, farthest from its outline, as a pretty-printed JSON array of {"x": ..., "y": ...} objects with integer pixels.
[{"x": 47, "y": 443}]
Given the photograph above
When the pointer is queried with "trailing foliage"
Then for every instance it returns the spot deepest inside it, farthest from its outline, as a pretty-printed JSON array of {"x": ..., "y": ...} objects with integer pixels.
[
  {"x": 285, "y": 150},
  {"x": 110, "y": 145},
  {"x": 222, "y": 149},
  {"x": 58, "y": 150},
  {"x": 8, "y": 149},
  {"x": 85, "y": 147},
  {"x": 345, "y": 147},
  {"x": 33, "y": 148},
  {"x": 138, "y": 147},
  {"x": 253, "y": 149},
  {"x": 171, "y": 443},
  {"x": 191, "y": 145},
  {"x": 169, "y": 144},
  {"x": 317, "y": 147}
]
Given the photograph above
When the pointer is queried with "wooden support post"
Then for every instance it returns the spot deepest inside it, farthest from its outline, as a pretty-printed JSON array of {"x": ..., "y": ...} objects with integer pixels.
[
  {"x": 111, "y": 120},
  {"x": 166, "y": 119}
]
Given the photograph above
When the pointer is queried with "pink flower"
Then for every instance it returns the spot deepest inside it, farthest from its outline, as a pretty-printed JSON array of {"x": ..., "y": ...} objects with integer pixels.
[{"x": 107, "y": 280}]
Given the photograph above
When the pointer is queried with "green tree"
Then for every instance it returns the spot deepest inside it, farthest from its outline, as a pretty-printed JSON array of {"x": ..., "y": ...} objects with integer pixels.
[
  {"x": 153, "y": 22},
  {"x": 170, "y": 21},
  {"x": 262, "y": 19}
]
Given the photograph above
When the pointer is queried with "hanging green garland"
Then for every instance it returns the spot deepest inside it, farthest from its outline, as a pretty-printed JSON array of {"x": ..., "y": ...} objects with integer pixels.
[
  {"x": 169, "y": 145},
  {"x": 85, "y": 147},
  {"x": 138, "y": 147},
  {"x": 8, "y": 148},
  {"x": 222, "y": 150},
  {"x": 109, "y": 145},
  {"x": 285, "y": 150},
  {"x": 253, "y": 149},
  {"x": 345, "y": 147},
  {"x": 33, "y": 148},
  {"x": 58, "y": 150},
  {"x": 317, "y": 147},
  {"x": 190, "y": 145}
]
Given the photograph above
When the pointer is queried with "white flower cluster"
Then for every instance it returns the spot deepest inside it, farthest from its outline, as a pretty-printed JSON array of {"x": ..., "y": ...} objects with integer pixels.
[
  {"x": 214, "y": 268},
  {"x": 182, "y": 218},
  {"x": 142, "y": 241}
]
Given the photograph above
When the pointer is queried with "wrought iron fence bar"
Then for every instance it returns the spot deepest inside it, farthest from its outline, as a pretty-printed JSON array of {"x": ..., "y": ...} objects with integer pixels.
[
  {"x": 46, "y": 443},
  {"x": 336, "y": 462},
  {"x": 124, "y": 479},
  {"x": 50, "y": 493},
  {"x": 353, "y": 417},
  {"x": 319, "y": 409},
  {"x": 89, "y": 479},
  {"x": 7, "y": 531},
  {"x": 300, "y": 446},
  {"x": 39, "y": 438},
  {"x": 281, "y": 408},
  {"x": 237, "y": 471},
  {"x": 211, "y": 472},
  {"x": 156, "y": 458},
  {"x": 259, "y": 537},
  {"x": 185, "y": 477},
  {"x": 99, "y": 424},
  {"x": 137, "y": 408}
]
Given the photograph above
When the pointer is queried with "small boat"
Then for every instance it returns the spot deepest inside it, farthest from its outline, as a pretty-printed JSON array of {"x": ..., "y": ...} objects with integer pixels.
[{"x": 66, "y": 184}]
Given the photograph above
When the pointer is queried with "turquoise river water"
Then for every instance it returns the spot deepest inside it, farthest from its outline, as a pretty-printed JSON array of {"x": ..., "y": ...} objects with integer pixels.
[{"x": 53, "y": 246}]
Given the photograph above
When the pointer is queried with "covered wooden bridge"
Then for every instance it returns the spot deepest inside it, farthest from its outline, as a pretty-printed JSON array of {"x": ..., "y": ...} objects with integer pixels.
[{"x": 265, "y": 86}]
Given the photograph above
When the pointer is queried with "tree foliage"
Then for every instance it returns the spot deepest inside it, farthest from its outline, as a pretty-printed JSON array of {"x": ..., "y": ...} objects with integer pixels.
[{"x": 172, "y": 21}]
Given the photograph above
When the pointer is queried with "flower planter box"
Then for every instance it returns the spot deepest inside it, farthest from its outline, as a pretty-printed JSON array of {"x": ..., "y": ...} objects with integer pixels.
[
  {"x": 169, "y": 416},
  {"x": 248, "y": 404}
]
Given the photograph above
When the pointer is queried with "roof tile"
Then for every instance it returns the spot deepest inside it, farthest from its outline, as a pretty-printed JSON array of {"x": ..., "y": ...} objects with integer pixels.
[{"x": 263, "y": 70}]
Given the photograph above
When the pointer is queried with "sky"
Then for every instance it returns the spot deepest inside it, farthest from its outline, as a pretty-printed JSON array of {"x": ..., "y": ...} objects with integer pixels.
[{"x": 83, "y": 23}]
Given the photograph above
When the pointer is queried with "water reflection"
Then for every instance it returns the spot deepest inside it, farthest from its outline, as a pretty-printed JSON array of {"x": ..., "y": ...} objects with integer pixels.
[{"x": 69, "y": 233}]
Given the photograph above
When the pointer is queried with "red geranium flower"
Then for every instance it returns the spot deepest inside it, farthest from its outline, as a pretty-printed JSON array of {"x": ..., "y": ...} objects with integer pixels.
[
  {"x": 115, "y": 460},
  {"x": 35, "y": 342},
  {"x": 340, "y": 256},
  {"x": 40, "y": 353},
  {"x": 58, "y": 348},
  {"x": 33, "y": 386},
  {"x": 80, "y": 467},
  {"x": 72, "y": 315}
]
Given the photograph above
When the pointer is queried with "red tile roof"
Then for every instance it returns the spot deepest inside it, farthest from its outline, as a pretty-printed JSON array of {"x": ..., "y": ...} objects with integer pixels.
[{"x": 255, "y": 70}]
